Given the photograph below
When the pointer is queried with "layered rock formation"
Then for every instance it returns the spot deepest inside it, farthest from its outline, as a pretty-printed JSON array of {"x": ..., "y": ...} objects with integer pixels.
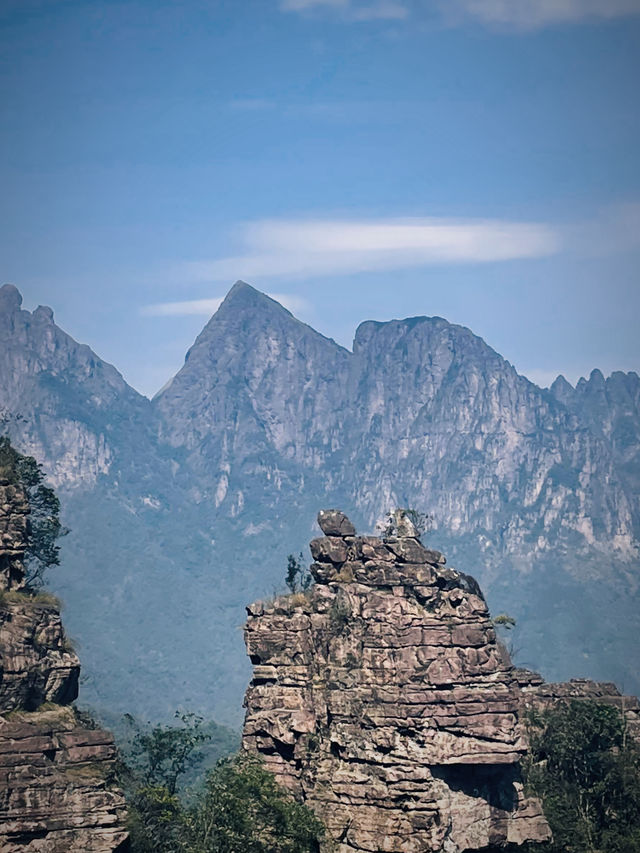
[
  {"x": 537, "y": 489},
  {"x": 381, "y": 697},
  {"x": 538, "y": 695},
  {"x": 56, "y": 773}
]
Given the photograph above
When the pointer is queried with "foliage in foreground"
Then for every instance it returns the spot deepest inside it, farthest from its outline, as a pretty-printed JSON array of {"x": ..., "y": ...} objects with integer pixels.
[
  {"x": 239, "y": 809},
  {"x": 586, "y": 769},
  {"x": 298, "y": 578},
  {"x": 44, "y": 519}
]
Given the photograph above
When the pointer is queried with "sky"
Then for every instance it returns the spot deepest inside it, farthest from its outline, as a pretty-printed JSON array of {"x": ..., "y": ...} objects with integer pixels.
[{"x": 357, "y": 159}]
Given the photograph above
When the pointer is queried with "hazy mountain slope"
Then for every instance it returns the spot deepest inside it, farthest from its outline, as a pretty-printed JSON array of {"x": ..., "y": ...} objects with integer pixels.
[
  {"x": 446, "y": 420},
  {"x": 184, "y": 509},
  {"x": 75, "y": 408},
  {"x": 131, "y": 572},
  {"x": 611, "y": 408},
  {"x": 255, "y": 381},
  {"x": 524, "y": 492}
]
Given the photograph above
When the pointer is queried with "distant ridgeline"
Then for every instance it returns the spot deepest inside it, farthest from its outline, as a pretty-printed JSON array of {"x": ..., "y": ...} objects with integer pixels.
[
  {"x": 382, "y": 698},
  {"x": 184, "y": 508}
]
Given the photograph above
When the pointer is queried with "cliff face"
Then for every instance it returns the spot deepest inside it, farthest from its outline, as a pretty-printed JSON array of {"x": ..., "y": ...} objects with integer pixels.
[
  {"x": 197, "y": 490},
  {"x": 381, "y": 697},
  {"x": 56, "y": 786},
  {"x": 537, "y": 695}
]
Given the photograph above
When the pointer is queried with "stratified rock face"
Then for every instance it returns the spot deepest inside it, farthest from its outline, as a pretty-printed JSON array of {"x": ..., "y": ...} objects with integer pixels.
[
  {"x": 55, "y": 789},
  {"x": 267, "y": 419},
  {"x": 56, "y": 786},
  {"x": 538, "y": 695},
  {"x": 382, "y": 699},
  {"x": 36, "y": 663}
]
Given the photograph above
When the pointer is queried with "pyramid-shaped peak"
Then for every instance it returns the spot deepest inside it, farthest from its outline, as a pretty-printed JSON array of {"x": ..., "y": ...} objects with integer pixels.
[
  {"x": 243, "y": 296},
  {"x": 10, "y": 298},
  {"x": 560, "y": 385}
]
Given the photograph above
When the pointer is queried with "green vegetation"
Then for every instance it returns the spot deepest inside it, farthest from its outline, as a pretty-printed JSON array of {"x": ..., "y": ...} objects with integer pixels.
[
  {"x": 32, "y": 598},
  {"x": 422, "y": 521},
  {"x": 238, "y": 809},
  {"x": 161, "y": 755},
  {"x": 503, "y": 620},
  {"x": 44, "y": 519},
  {"x": 586, "y": 769},
  {"x": 298, "y": 578}
]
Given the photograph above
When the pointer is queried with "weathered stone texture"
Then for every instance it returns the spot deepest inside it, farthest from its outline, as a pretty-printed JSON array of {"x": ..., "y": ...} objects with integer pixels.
[
  {"x": 36, "y": 661},
  {"x": 538, "y": 695},
  {"x": 382, "y": 699},
  {"x": 57, "y": 792}
]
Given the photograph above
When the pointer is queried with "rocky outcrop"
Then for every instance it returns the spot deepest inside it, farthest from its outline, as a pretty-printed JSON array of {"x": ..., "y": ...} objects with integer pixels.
[
  {"x": 537, "y": 489},
  {"x": 538, "y": 695},
  {"x": 381, "y": 697},
  {"x": 57, "y": 792}
]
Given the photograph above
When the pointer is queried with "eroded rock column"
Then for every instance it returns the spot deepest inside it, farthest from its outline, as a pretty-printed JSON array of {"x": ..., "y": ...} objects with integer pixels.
[
  {"x": 382, "y": 699},
  {"x": 57, "y": 791}
]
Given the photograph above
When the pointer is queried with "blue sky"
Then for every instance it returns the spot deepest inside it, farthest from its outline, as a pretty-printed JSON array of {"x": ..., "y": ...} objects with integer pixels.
[{"x": 472, "y": 159}]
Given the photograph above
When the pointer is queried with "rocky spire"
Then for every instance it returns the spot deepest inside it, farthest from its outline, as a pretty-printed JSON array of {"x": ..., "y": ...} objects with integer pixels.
[
  {"x": 382, "y": 698},
  {"x": 54, "y": 772}
]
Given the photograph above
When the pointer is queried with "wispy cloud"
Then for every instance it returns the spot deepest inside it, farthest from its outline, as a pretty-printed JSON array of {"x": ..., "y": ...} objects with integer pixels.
[
  {"x": 535, "y": 14},
  {"x": 615, "y": 230},
  {"x": 182, "y": 309},
  {"x": 322, "y": 247},
  {"x": 517, "y": 14},
  {"x": 206, "y": 307},
  {"x": 353, "y": 10}
]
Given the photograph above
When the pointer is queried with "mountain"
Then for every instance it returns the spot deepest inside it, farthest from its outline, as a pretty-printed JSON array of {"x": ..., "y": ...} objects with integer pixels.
[{"x": 181, "y": 504}]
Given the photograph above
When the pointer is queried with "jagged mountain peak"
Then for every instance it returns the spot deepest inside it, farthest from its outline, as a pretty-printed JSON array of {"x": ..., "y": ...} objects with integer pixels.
[
  {"x": 244, "y": 310},
  {"x": 560, "y": 384},
  {"x": 11, "y": 304},
  {"x": 10, "y": 299},
  {"x": 246, "y": 319},
  {"x": 245, "y": 296},
  {"x": 429, "y": 329}
]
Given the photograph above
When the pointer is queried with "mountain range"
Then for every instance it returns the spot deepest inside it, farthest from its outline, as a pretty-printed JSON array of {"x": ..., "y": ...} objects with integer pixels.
[{"x": 183, "y": 508}]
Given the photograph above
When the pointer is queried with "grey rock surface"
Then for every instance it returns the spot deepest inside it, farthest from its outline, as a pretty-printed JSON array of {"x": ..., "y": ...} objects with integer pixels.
[{"x": 188, "y": 499}]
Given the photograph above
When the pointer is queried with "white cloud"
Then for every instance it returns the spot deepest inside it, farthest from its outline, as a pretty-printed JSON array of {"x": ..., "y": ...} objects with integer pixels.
[
  {"x": 206, "y": 307},
  {"x": 323, "y": 247},
  {"x": 383, "y": 10},
  {"x": 302, "y": 5},
  {"x": 519, "y": 14},
  {"x": 352, "y": 9},
  {"x": 615, "y": 230},
  {"x": 533, "y": 14},
  {"x": 178, "y": 309}
]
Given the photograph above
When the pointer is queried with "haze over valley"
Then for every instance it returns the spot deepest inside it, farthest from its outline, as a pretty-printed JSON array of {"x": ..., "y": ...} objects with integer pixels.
[{"x": 179, "y": 506}]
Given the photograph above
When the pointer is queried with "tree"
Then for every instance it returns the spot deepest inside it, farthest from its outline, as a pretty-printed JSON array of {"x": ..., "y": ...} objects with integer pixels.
[
  {"x": 161, "y": 755},
  {"x": 588, "y": 775},
  {"x": 297, "y": 578},
  {"x": 503, "y": 620},
  {"x": 157, "y": 821},
  {"x": 393, "y": 523},
  {"x": 240, "y": 808},
  {"x": 244, "y": 810},
  {"x": 44, "y": 528}
]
